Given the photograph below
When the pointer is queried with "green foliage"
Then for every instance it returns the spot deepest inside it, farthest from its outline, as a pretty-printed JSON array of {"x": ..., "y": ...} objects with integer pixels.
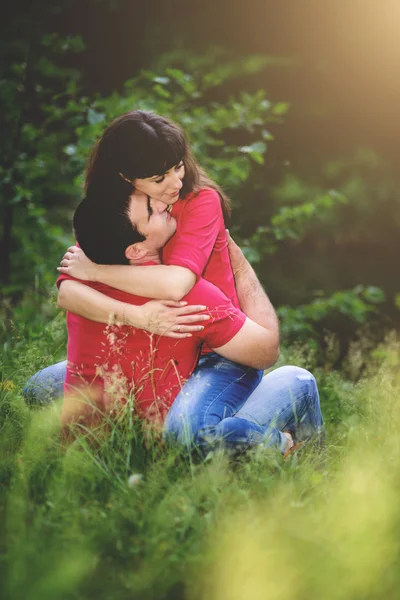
[
  {"x": 356, "y": 305},
  {"x": 294, "y": 219},
  {"x": 32, "y": 336},
  {"x": 42, "y": 107}
]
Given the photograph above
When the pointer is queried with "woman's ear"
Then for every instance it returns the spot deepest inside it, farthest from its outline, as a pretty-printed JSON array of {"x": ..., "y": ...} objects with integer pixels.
[{"x": 135, "y": 252}]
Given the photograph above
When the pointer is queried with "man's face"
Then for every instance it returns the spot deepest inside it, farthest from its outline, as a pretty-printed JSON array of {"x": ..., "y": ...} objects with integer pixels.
[
  {"x": 164, "y": 188},
  {"x": 152, "y": 219}
]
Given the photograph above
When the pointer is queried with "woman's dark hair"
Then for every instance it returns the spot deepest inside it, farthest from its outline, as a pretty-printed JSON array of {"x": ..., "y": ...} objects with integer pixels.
[{"x": 141, "y": 144}]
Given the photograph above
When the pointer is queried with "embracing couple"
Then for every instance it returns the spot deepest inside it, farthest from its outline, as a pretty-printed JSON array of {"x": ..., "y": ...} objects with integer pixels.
[{"x": 152, "y": 226}]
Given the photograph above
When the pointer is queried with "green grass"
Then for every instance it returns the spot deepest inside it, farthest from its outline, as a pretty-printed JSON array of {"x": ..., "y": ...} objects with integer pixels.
[{"x": 321, "y": 525}]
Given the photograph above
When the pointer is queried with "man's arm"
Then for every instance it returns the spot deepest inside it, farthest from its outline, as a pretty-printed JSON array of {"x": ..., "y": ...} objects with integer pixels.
[
  {"x": 253, "y": 300},
  {"x": 257, "y": 342}
]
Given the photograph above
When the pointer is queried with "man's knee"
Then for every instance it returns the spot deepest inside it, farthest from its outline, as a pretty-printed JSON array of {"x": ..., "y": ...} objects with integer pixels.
[
  {"x": 46, "y": 385},
  {"x": 297, "y": 377}
]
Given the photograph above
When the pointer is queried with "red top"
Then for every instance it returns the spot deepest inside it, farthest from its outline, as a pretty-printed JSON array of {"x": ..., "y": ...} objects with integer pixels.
[
  {"x": 200, "y": 242},
  {"x": 119, "y": 361}
]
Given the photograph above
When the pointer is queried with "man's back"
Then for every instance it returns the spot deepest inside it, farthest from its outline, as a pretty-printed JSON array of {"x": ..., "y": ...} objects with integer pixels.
[{"x": 119, "y": 361}]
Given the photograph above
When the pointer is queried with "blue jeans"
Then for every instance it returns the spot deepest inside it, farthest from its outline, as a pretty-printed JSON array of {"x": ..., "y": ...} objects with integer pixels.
[
  {"x": 217, "y": 389},
  {"x": 224, "y": 402},
  {"x": 46, "y": 385},
  {"x": 214, "y": 408}
]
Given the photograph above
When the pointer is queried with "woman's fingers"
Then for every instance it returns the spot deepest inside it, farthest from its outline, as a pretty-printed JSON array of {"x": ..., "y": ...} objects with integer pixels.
[
  {"x": 186, "y": 319},
  {"x": 189, "y": 328},
  {"x": 181, "y": 330},
  {"x": 186, "y": 309},
  {"x": 193, "y": 308},
  {"x": 173, "y": 303},
  {"x": 177, "y": 335}
]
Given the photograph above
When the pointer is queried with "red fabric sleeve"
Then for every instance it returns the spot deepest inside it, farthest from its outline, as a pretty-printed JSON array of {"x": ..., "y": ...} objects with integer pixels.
[
  {"x": 226, "y": 320},
  {"x": 63, "y": 277},
  {"x": 199, "y": 225}
]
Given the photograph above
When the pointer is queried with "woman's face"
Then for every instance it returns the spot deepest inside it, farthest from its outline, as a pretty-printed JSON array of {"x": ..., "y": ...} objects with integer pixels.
[{"x": 164, "y": 188}]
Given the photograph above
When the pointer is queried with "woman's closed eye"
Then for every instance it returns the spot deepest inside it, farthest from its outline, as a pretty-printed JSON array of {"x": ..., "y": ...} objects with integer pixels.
[{"x": 177, "y": 167}]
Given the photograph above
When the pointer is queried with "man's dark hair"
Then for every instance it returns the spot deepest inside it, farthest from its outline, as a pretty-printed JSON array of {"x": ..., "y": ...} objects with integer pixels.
[{"x": 104, "y": 231}]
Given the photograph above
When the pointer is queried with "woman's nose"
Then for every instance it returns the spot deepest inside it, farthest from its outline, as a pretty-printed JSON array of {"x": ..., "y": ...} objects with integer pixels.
[{"x": 177, "y": 182}]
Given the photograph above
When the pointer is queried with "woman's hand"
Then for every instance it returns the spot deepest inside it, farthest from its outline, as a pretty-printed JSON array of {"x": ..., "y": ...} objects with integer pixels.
[
  {"x": 168, "y": 318},
  {"x": 78, "y": 265},
  {"x": 237, "y": 258}
]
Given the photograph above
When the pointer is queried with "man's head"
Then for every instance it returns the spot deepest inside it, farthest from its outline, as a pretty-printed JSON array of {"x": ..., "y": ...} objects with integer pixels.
[{"x": 131, "y": 233}]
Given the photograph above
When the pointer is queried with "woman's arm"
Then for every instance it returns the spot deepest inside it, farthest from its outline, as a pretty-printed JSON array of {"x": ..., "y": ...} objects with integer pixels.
[
  {"x": 169, "y": 318},
  {"x": 156, "y": 281},
  {"x": 199, "y": 225}
]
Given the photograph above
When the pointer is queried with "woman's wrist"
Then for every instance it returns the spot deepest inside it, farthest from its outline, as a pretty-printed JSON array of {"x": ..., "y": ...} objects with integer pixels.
[{"x": 132, "y": 315}]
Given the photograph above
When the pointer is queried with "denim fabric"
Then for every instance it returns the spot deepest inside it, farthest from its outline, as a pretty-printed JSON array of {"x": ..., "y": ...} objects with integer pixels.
[
  {"x": 286, "y": 399},
  {"x": 46, "y": 385},
  {"x": 217, "y": 389}
]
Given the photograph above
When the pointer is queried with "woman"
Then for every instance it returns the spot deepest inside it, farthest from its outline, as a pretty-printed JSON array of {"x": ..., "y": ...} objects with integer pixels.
[{"x": 148, "y": 153}]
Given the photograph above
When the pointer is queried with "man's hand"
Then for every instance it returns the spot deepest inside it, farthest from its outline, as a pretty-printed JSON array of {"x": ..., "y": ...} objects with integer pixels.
[
  {"x": 78, "y": 265},
  {"x": 237, "y": 258}
]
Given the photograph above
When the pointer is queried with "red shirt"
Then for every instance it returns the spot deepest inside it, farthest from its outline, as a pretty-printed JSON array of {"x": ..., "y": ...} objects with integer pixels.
[
  {"x": 121, "y": 361},
  {"x": 200, "y": 242}
]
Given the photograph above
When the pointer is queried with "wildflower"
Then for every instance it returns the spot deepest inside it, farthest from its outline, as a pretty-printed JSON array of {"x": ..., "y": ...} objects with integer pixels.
[
  {"x": 135, "y": 479},
  {"x": 7, "y": 385}
]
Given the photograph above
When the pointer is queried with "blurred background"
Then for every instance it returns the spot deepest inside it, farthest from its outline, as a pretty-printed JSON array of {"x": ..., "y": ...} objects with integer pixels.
[{"x": 291, "y": 106}]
